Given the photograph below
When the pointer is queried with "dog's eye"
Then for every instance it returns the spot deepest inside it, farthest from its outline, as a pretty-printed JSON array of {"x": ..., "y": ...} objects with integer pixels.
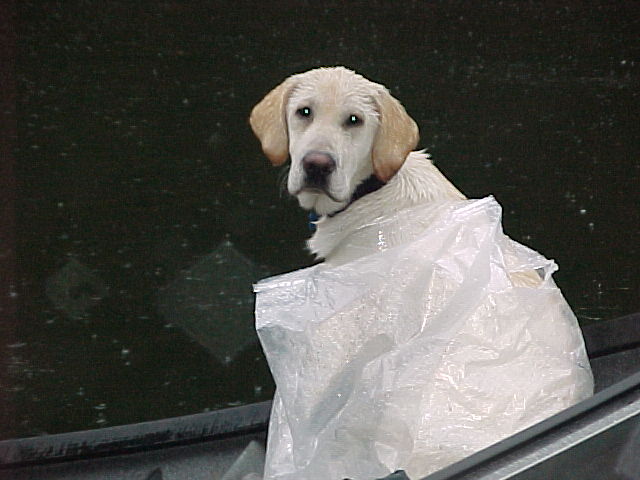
[
  {"x": 304, "y": 112},
  {"x": 353, "y": 120}
]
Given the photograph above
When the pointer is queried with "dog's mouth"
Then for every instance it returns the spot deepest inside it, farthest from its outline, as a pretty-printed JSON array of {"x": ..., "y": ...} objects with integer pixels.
[
  {"x": 318, "y": 191},
  {"x": 368, "y": 185}
]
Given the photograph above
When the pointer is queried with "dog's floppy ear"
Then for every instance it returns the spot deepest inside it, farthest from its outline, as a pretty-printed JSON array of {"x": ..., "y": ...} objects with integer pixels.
[
  {"x": 269, "y": 124},
  {"x": 397, "y": 135}
]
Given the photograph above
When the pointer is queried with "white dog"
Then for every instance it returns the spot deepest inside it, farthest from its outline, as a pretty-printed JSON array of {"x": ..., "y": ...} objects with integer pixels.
[
  {"x": 343, "y": 131},
  {"x": 340, "y": 129},
  {"x": 387, "y": 360}
]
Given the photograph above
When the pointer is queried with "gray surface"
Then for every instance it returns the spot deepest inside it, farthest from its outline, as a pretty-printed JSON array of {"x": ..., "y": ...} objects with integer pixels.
[
  {"x": 207, "y": 461},
  {"x": 614, "y": 367}
]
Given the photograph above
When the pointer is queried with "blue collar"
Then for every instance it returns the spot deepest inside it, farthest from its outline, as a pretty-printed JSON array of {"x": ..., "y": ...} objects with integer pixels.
[{"x": 368, "y": 185}]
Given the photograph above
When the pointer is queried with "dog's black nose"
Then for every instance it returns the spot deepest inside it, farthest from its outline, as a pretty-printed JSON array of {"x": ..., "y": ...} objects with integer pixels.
[{"x": 317, "y": 168}]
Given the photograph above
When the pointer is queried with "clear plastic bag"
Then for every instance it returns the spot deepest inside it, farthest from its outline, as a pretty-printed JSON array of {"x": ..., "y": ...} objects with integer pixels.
[{"x": 446, "y": 340}]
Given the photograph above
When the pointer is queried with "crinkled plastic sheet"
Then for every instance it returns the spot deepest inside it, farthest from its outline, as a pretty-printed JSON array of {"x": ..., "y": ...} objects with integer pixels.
[{"x": 444, "y": 340}]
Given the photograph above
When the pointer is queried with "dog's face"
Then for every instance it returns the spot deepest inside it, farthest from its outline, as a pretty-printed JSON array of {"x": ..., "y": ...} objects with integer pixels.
[
  {"x": 338, "y": 128},
  {"x": 331, "y": 125}
]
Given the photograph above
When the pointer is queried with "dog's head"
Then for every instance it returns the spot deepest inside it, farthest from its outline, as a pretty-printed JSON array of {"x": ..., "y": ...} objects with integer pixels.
[{"x": 338, "y": 128}]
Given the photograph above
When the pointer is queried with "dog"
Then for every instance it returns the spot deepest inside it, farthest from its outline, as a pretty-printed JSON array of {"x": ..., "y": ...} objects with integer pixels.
[
  {"x": 341, "y": 130},
  {"x": 344, "y": 132},
  {"x": 352, "y": 163}
]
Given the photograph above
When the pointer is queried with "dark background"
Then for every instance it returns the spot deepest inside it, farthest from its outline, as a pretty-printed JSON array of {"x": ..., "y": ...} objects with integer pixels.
[{"x": 133, "y": 159}]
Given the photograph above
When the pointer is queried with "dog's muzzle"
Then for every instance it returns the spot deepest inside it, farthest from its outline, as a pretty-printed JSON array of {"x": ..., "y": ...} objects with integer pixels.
[{"x": 317, "y": 167}]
